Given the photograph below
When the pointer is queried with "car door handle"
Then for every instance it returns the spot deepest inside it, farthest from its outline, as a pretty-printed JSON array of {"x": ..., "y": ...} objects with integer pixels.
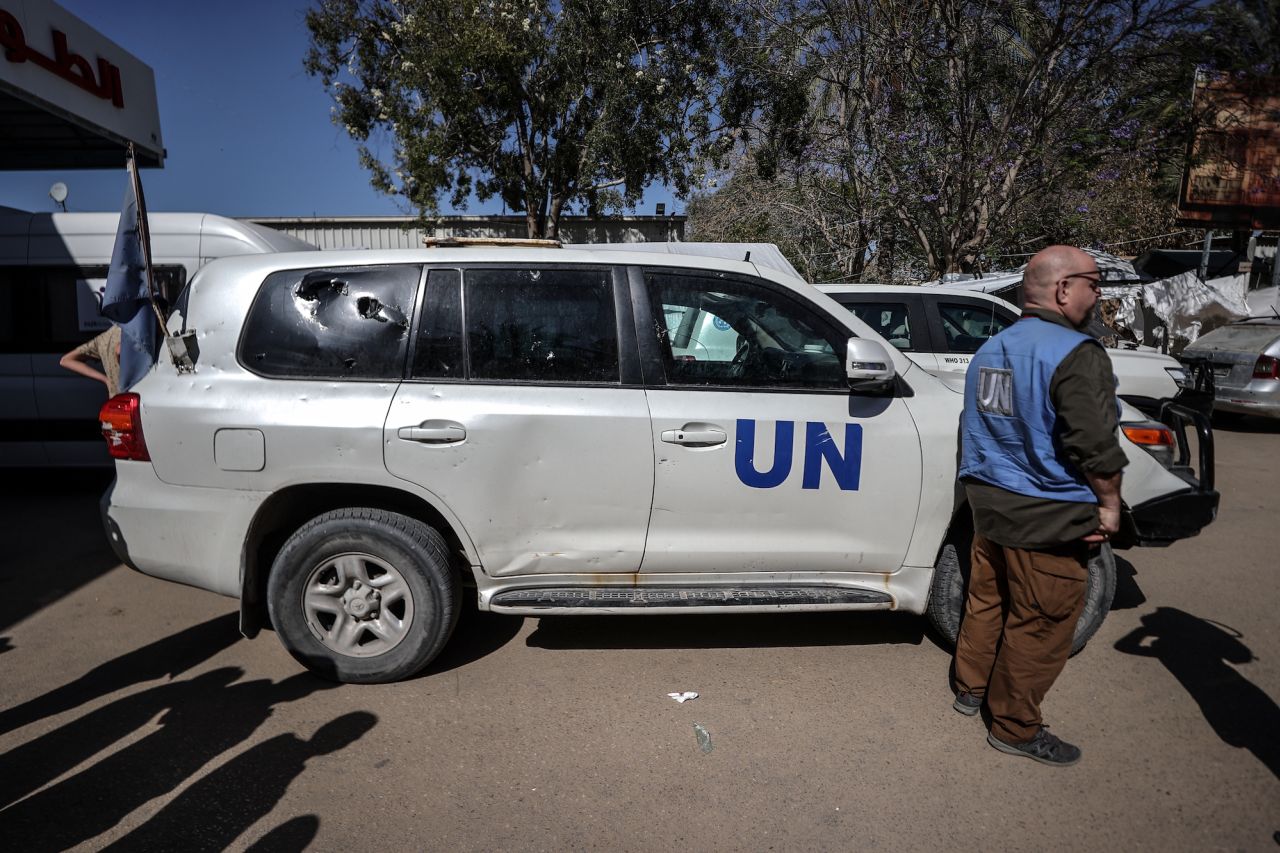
[
  {"x": 433, "y": 432},
  {"x": 695, "y": 435}
]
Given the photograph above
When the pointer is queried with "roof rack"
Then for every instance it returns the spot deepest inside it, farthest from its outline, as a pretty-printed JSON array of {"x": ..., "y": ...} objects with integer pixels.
[{"x": 459, "y": 242}]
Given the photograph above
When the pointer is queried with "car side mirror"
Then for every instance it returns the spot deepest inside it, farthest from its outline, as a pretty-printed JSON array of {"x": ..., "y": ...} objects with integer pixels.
[{"x": 868, "y": 365}]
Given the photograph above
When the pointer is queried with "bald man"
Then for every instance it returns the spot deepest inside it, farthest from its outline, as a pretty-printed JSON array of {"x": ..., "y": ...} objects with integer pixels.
[{"x": 1041, "y": 468}]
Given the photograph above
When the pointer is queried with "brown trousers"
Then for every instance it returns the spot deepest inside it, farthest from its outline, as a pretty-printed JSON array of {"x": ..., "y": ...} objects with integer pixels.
[{"x": 1019, "y": 619}]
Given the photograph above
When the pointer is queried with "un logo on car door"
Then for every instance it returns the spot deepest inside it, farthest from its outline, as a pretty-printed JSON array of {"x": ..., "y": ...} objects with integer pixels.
[{"x": 820, "y": 448}]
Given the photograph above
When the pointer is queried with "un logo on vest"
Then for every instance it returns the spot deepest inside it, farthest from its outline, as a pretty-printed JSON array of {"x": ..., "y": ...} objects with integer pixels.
[{"x": 995, "y": 391}]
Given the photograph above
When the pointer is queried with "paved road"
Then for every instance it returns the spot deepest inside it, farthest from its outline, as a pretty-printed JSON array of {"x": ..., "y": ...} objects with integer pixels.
[{"x": 132, "y": 714}]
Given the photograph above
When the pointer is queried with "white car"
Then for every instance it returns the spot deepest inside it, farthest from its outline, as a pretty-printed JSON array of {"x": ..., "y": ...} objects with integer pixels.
[
  {"x": 940, "y": 328},
  {"x": 362, "y": 434}
]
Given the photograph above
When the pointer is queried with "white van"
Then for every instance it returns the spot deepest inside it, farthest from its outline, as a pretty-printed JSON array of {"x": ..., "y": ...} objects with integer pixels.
[{"x": 52, "y": 271}]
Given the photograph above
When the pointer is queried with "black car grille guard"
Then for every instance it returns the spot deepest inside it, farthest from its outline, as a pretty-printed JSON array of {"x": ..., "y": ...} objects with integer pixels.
[
  {"x": 1164, "y": 520},
  {"x": 1178, "y": 417}
]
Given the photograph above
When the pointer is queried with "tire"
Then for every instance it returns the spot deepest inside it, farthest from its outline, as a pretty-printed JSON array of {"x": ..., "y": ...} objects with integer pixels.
[
  {"x": 363, "y": 596},
  {"x": 951, "y": 575}
]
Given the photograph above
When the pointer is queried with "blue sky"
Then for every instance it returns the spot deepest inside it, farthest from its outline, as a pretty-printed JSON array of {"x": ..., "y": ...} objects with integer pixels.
[{"x": 246, "y": 130}]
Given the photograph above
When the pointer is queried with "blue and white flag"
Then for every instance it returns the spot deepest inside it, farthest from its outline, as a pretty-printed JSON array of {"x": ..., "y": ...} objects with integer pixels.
[{"x": 126, "y": 299}]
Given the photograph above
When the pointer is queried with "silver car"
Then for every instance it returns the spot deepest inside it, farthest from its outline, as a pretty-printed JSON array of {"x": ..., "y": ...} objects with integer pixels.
[{"x": 1245, "y": 358}]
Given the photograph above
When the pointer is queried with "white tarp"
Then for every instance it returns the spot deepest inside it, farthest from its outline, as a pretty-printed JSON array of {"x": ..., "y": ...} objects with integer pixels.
[
  {"x": 1186, "y": 304},
  {"x": 1111, "y": 268},
  {"x": 1264, "y": 302}
]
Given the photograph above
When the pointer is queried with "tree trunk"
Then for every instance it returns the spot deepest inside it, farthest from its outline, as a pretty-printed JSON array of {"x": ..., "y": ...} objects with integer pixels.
[
  {"x": 532, "y": 223},
  {"x": 553, "y": 217}
]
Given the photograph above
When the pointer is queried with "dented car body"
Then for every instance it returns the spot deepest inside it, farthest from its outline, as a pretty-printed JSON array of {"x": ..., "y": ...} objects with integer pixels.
[{"x": 361, "y": 439}]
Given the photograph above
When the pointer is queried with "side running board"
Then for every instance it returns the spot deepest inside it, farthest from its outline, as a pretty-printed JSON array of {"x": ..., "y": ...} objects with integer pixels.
[{"x": 687, "y": 596}]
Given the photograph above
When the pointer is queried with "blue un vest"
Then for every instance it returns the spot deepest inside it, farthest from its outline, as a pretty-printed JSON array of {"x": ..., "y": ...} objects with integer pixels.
[{"x": 1009, "y": 427}]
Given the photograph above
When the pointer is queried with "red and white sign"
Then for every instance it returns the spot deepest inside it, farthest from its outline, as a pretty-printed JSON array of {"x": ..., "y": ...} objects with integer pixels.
[{"x": 51, "y": 58}]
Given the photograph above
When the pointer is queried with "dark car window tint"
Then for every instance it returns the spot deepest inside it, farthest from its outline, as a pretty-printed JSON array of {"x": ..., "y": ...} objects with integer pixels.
[
  {"x": 890, "y": 320},
  {"x": 342, "y": 323},
  {"x": 541, "y": 325},
  {"x": 54, "y": 309},
  {"x": 967, "y": 326},
  {"x": 736, "y": 333},
  {"x": 439, "y": 351}
]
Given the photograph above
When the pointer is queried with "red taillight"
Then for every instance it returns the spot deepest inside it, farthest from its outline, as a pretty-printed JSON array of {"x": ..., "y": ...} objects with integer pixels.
[
  {"x": 121, "y": 418},
  {"x": 1149, "y": 434},
  {"x": 1268, "y": 367}
]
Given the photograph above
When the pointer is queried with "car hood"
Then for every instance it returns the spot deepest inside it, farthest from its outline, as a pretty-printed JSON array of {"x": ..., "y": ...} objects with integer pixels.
[{"x": 1135, "y": 357}]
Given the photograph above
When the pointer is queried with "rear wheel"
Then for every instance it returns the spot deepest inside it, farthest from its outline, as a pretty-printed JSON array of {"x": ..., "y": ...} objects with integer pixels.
[
  {"x": 951, "y": 576},
  {"x": 363, "y": 595}
]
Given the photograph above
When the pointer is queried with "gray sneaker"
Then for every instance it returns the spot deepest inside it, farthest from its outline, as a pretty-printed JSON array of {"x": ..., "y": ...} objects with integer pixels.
[
  {"x": 1044, "y": 747},
  {"x": 967, "y": 704}
]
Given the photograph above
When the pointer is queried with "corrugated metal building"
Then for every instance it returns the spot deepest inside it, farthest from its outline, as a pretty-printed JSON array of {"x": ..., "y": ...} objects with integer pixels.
[{"x": 408, "y": 232}]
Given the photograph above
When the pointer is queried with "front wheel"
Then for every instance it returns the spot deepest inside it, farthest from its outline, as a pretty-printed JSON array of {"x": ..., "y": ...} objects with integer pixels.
[
  {"x": 363, "y": 595},
  {"x": 951, "y": 576}
]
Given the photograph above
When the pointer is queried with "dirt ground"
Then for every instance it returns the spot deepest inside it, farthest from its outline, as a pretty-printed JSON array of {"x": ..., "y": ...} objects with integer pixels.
[{"x": 133, "y": 716}]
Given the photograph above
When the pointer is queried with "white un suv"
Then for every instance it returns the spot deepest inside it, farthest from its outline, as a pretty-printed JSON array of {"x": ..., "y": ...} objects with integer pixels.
[{"x": 355, "y": 438}]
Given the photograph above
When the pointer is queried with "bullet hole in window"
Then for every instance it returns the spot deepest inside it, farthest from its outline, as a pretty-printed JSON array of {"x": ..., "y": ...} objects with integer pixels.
[{"x": 314, "y": 287}]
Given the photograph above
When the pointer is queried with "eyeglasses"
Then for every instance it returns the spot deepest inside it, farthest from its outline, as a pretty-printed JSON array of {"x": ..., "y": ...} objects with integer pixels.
[{"x": 1094, "y": 279}]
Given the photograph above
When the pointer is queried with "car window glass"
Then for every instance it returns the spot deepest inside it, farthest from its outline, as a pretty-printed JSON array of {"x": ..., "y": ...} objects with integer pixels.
[
  {"x": 336, "y": 323},
  {"x": 438, "y": 354},
  {"x": 890, "y": 320},
  {"x": 718, "y": 332},
  {"x": 56, "y": 308},
  {"x": 968, "y": 326},
  {"x": 541, "y": 325}
]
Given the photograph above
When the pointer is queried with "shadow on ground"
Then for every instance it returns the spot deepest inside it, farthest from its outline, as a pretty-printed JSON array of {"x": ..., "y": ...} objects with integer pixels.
[
  {"x": 214, "y": 811},
  {"x": 1128, "y": 594},
  {"x": 728, "y": 630},
  {"x": 170, "y": 656},
  {"x": 198, "y": 720},
  {"x": 62, "y": 546},
  {"x": 477, "y": 635},
  {"x": 1200, "y": 654}
]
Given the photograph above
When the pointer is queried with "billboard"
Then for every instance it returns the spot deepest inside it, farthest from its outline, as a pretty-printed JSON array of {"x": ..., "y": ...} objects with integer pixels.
[
  {"x": 1232, "y": 176},
  {"x": 71, "y": 97}
]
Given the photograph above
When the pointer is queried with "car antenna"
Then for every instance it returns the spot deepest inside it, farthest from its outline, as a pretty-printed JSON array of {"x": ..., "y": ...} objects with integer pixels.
[{"x": 747, "y": 259}]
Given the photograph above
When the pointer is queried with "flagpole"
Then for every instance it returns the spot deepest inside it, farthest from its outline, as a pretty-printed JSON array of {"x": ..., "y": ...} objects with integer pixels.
[{"x": 144, "y": 235}]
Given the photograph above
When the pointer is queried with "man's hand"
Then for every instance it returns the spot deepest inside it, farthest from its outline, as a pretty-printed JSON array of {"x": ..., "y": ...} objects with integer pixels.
[
  {"x": 1108, "y": 524},
  {"x": 1107, "y": 488}
]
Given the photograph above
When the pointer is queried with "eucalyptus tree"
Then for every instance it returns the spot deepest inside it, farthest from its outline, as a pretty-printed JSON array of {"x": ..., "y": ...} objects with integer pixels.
[{"x": 548, "y": 105}]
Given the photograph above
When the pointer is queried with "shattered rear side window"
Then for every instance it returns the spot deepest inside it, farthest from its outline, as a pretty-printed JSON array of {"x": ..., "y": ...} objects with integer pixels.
[
  {"x": 341, "y": 323},
  {"x": 541, "y": 325},
  {"x": 439, "y": 351}
]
